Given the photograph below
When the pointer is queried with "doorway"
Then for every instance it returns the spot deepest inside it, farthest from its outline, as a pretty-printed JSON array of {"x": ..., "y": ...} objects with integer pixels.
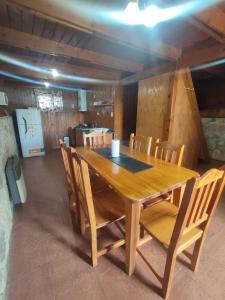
[{"x": 130, "y": 98}]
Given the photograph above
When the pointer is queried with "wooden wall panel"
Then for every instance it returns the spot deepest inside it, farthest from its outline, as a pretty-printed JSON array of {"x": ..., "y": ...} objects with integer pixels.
[
  {"x": 118, "y": 112},
  {"x": 102, "y": 116},
  {"x": 168, "y": 109},
  {"x": 153, "y": 96},
  {"x": 185, "y": 119},
  {"x": 55, "y": 124}
]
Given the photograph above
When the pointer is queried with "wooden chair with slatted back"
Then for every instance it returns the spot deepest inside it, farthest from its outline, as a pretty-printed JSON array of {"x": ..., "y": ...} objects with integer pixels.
[
  {"x": 96, "y": 211},
  {"x": 140, "y": 143},
  {"x": 94, "y": 139},
  {"x": 67, "y": 161},
  {"x": 177, "y": 229},
  {"x": 168, "y": 152}
]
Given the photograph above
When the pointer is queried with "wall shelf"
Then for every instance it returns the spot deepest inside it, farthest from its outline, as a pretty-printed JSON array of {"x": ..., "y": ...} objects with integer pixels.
[{"x": 105, "y": 104}]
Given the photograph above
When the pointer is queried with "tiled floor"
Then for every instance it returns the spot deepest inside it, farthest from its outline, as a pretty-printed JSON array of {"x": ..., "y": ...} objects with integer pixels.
[{"x": 49, "y": 261}]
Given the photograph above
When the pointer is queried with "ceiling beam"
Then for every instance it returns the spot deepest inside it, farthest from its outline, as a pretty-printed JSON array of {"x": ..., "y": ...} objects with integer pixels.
[
  {"x": 123, "y": 35},
  {"x": 215, "y": 72},
  {"x": 66, "y": 68},
  {"x": 196, "y": 22},
  {"x": 28, "y": 41},
  {"x": 192, "y": 59},
  {"x": 198, "y": 57},
  {"x": 6, "y": 82},
  {"x": 46, "y": 77},
  {"x": 157, "y": 70},
  {"x": 210, "y": 21},
  {"x": 214, "y": 18}
]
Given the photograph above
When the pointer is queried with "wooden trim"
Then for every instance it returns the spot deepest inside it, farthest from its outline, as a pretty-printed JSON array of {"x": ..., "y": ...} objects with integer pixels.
[
  {"x": 28, "y": 41},
  {"x": 172, "y": 88}
]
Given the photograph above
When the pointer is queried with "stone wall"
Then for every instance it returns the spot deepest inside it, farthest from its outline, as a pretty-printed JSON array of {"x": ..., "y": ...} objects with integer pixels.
[
  {"x": 7, "y": 148},
  {"x": 214, "y": 130}
]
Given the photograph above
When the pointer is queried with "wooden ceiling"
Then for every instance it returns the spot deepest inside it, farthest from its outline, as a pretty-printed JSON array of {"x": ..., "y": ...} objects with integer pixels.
[{"x": 45, "y": 35}]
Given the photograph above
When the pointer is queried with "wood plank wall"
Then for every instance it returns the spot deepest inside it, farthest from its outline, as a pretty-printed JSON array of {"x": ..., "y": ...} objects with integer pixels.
[
  {"x": 158, "y": 110},
  {"x": 55, "y": 124},
  {"x": 102, "y": 116},
  {"x": 152, "y": 105},
  {"x": 185, "y": 119}
]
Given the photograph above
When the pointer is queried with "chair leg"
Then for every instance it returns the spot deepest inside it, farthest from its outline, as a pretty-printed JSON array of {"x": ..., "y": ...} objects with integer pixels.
[
  {"x": 94, "y": 251},
  {"x": 168, "y": 274},
  {"x": 196, "y": 253},
  {"x": 142, "y": 232},
  {"x": 81, "y": 219}
]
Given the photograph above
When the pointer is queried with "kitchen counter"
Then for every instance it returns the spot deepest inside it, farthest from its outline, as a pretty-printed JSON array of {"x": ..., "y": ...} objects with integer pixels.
[{"x": 78, "y": 135}]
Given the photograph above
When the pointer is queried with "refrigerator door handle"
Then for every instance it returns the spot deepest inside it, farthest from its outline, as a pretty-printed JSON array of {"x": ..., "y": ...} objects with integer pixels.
[{"x": 25, "y": 123}]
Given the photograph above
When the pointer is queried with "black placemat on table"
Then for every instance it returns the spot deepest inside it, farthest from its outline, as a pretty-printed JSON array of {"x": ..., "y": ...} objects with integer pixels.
[{"x": 131, "y": 164}]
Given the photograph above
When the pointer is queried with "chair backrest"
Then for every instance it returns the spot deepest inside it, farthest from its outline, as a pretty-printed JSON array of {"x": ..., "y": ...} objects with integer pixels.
[
  {"x": 140, "y": 143},
  {"x": 94, "y": 139},
  {"x": 168, "y": 152},
  {"x": 199, "y": 201},
  {"x": 67, "y": 161},
  {"x": 83, "y": 187}
]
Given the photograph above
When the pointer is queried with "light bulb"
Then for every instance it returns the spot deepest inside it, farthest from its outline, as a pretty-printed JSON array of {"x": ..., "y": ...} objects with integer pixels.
[
  {"x": 132, "y": 8},
  {"x": 46, "y": 84},
  {"x": 132, "y": 13},
  {"x": 151, "y": 16},
  {"x": 55, "y": 73}
]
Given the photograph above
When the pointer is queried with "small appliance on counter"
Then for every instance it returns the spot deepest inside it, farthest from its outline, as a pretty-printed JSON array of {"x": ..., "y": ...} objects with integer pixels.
[{"x": 30, "y": 132}]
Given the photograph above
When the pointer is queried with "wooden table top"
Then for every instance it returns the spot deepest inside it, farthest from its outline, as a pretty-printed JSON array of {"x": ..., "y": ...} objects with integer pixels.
[{"x": 142, "y": 185}]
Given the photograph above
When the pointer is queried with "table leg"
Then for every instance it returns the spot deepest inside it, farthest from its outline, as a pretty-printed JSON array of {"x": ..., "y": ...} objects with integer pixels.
[{"x": 132, "y": 234}]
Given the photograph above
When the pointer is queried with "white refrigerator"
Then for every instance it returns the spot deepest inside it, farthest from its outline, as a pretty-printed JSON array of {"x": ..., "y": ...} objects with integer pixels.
[{"x": 30, "y": 132}]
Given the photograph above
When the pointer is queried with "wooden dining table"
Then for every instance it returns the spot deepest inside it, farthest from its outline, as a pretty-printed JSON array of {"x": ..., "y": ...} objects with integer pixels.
[{"x": 136, "y": 188}]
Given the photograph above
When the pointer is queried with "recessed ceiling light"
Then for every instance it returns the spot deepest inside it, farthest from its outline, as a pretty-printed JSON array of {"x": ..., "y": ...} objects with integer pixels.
[
  {"x": 55, "y": 73},
  {"x": 46, "y": 84}
]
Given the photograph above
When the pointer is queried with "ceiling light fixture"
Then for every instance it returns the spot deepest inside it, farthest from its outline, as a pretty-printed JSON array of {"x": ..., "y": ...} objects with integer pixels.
[
  {"x": 47, "y": 84},
  {"x": 141, "y": 12},
  {"x": 55, "y": 73},
  {"x": 144, "y": 12}
]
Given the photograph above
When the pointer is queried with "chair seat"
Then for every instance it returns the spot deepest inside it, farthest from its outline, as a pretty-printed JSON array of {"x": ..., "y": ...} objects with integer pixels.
[
  {"x": 108, "y": 207},
  {"x": 159, "y": 221}
]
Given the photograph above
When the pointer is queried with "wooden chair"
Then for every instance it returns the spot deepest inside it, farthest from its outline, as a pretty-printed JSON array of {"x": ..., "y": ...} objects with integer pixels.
[
  {"x": 140, "y": 143},
  {"x": 94, "y": 139},
  {"x": 96, "y": 211},
  {"x": 177, "y": 229},
  {"x": 67, "y": 161},
  {"x": 169, "y": 152},
  {"x": 97, "y": 184}
]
